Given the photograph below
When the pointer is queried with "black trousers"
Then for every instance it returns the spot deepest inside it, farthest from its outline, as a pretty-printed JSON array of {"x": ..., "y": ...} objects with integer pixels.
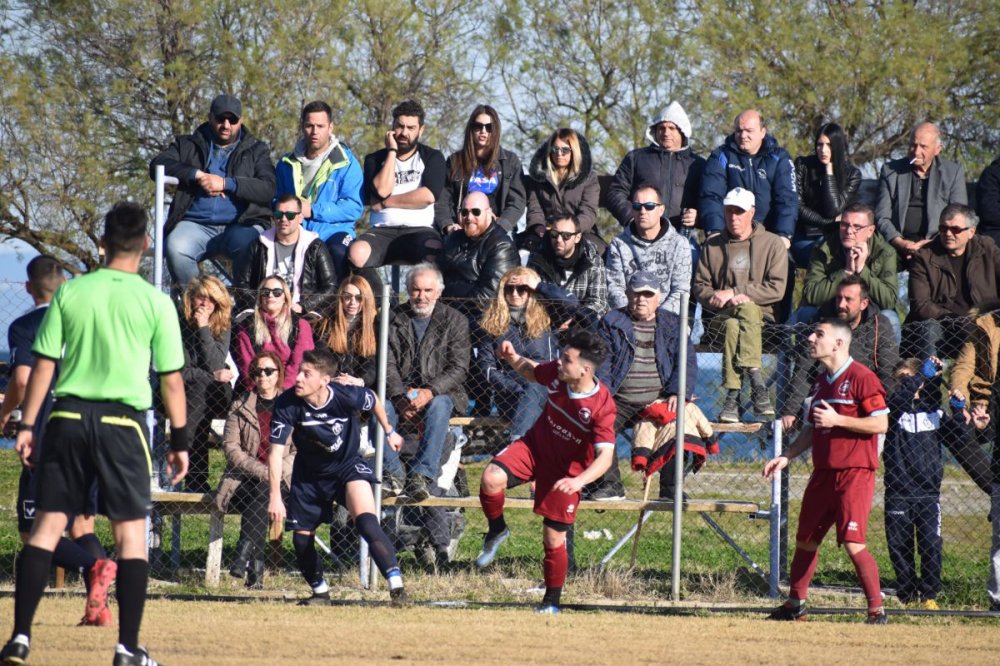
[{"x": 914, "y": 526}]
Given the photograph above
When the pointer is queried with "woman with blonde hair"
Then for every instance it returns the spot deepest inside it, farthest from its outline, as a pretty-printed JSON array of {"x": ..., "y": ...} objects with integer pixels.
[
  {"x": 273, "y": 327},
  {"x": 517, "y": 315},
  {"x": 206, "y": 309}
]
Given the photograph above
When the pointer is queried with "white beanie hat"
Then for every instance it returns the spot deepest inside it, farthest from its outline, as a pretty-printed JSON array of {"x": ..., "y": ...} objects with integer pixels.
[{"x": 674, "y": 113}]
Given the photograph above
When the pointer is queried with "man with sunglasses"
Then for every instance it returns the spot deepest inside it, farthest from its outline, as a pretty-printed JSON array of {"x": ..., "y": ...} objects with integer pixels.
[
  {"x": 226, "y": 185},
  {"x": 650, "y": 244},
  {"x": 956, "y": 271},
  {"x": 297, "y": 255},
  {"x": 667, "y": 162},
  {"x": 569, "y": 261}
]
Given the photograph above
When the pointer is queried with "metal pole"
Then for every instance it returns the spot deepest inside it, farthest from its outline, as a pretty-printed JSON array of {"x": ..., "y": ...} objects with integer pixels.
[
  {"x": 774, "y": 516},
  {"x": 158, "y": 227},
  {"x": 369, "y": 574},
  {"x": 684, "y": 339}
]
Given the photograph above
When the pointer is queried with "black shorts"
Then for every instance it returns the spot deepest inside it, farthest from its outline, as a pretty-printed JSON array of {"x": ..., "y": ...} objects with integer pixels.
[
  {"x": 27, "y": 489},
  {"x": 404, "y": 245},
  {"x": 104, "y": 441},
  {"x": 310, "y": 501}
]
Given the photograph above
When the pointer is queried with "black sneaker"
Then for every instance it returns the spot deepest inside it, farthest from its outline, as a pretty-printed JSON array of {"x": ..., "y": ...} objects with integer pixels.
[
  {"x": 608, "y": 492},
  {"x": 877, "y": 617},
  {"x": 760, "y": 399},
  {"x": 416, "y": 488},
  {"x": 786, "y": 612},
  {"x": 442, "y": 562},
  {"x": 16, "y": 650},
  {"x": 398, "y": 598},
  {"x": 138, "y": 658},
  {"x": 391, "y": 486},
  {"x": 317, "y": 599},
  {"x": 730, "y": 407}
]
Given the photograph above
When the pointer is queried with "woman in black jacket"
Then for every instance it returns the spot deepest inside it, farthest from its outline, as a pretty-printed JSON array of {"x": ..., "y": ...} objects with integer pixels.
[
  {"x": 205, "y": 335},
  {"x": 350, "y": 333},
  {"x": 482, "y": 165},
  {"x": 827, "y": 184}
]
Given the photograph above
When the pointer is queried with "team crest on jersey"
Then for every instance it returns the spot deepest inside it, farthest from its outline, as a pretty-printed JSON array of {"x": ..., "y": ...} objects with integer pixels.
[
  {"x": 585, "y": 415},
  {"x": 337, "y": 426},
  {"x": 844, "y": 388}
]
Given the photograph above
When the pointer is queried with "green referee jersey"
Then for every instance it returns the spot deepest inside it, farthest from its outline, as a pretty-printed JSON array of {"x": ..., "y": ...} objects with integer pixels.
[{"x": 111, "y": 324}]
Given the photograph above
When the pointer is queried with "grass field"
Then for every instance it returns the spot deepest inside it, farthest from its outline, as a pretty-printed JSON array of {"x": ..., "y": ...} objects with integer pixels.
[{"x": 229, "y": 634}]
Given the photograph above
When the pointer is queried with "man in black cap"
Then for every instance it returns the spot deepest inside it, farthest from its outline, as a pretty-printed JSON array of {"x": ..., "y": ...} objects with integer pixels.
[{"x": 223, "y": 200}]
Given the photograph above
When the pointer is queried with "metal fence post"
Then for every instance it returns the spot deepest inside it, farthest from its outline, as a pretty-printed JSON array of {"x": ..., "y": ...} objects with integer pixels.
[
  {"x": 775, "y": 516},
  {"x": 684, "y": 338},
  {"x": 369, "y": 575}
]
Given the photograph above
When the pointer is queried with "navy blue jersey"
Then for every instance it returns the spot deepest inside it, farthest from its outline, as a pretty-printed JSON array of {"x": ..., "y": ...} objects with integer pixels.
[
  {"x": 20, "y": 338},
  {"x": 327, "y": 436}
]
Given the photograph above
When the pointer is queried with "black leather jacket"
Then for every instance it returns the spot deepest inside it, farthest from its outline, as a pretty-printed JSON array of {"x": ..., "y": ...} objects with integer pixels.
[
  {"x": 820, "y": 199},
  {"x": 317, "y": 285},
  {"x": 472, "y": 268}
]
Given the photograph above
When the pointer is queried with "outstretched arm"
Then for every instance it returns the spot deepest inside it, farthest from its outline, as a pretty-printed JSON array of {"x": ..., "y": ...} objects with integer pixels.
[{"x": 522, "y": 366}]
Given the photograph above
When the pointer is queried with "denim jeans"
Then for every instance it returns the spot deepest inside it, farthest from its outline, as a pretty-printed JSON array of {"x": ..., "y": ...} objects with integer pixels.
[
  {"x": 427, "y": 462},
  {"x": 523, "y": 412},
  {"x": 190, "y": 242}
]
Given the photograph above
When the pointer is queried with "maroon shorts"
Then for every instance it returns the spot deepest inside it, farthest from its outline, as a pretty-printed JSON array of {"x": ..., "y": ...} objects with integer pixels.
[
  {"x": 519, "y": 461},
  {"x": 841, "y": 497}
]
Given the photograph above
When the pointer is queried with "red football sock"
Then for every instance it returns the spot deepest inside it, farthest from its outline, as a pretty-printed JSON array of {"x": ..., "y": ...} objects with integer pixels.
[
  {"x": 554, "y": 565},
  {"x": 803, "y": 567},
  {"x": 493, "y": 509},
  {"x": 867, "y": 570}
]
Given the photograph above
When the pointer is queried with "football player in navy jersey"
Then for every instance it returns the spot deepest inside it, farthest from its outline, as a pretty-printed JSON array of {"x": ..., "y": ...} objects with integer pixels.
[{"x": 323, "y": 421}]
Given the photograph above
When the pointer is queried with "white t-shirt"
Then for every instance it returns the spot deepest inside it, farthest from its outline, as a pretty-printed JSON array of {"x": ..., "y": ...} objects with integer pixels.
[{"x": 409, "y": 174}]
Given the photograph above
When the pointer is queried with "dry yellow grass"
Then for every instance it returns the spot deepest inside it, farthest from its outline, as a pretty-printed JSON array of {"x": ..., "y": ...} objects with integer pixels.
[{"x": 226, "y": 634}]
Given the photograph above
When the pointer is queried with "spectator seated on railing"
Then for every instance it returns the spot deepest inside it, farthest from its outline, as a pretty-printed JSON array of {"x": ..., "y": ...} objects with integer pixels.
[
  {"x": 402, "y": 182},
  {"x": 517, "y": 315},
  {"x": 296, "y": 255},
  {"x": 205, "y": 333},
  {"x": 740, "y": 280},
  {"x": 429, "y": 350},
  {"x": 854, "y": 249},
  {"x": 226, "y": 185},
  {"x": 568, "y": 259},
  {"x": 323, "y": 172},
  {"x": 873, "y": 344},
  {"x": 481, "y": 165},
  {"x": 562, "y": 184},
  {"x": 641, "y": 367},
  {"x": 244, "y": 483},
  {"x": 954, "y": 272},
  {"x": 649, "y": 244},
  {"x": 273, "y": 327}
]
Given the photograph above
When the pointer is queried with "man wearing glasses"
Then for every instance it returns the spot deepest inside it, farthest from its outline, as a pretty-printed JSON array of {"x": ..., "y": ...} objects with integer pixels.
[
  {"x": 956, "y": 271},
  {"x": 296, "y": 255},
  {"x": 226, "y": 185},
  {"x": 855, "y": 250},
  {"x": 567, "y": 260},
  {"x": 649, "y": 244}
]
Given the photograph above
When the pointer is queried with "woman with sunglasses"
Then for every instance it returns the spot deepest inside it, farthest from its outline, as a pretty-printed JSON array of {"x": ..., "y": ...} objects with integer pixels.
[
  {"x": 482, "y": 165},
  {"x": 244, "y": 483},
  {"x": 827, "y": 184},
  {"x": 273, "y": 327},
  {"x": 350, "y": 333},
  {"x": 562, "y": 184},
  {"x": 517, "y": 315},
  {"x": 206, "y": 309}
]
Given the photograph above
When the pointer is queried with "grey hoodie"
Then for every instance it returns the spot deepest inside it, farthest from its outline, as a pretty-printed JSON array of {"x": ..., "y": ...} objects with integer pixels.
[{"x": 668, "y": 256}]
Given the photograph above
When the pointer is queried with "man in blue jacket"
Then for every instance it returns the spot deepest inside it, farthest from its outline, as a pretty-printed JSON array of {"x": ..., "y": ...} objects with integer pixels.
[
  {"x": 752, "y": 159},
  {"x": 327, "y": 177},
  {"x": 641, "y": 366}
]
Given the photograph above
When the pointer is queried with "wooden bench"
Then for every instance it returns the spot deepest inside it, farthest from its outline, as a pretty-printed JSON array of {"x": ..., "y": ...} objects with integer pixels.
[
  {"x": 193, "y": 504},
  {"x": 696, "y": 505}
]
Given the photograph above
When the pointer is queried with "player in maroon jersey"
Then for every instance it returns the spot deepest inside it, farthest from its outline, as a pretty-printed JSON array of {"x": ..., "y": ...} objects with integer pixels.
[
  {"x": 571, "y": 444},
  {"x": 846, "y": 412}
]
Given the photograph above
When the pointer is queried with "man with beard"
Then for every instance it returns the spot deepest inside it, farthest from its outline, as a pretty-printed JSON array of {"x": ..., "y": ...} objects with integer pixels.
[
  {"x": 872, "y": 344},
  {"x": 402, "y": 182},
  {"x": 570, "y": 261}
]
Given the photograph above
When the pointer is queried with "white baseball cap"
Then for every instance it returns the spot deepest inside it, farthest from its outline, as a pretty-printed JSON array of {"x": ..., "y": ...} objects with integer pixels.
[{"x": 741, "y": 198}]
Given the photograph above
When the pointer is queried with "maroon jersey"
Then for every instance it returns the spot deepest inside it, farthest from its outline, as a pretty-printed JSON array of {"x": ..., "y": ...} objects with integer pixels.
[
  {"x": 855, "y": 391},
  {"x": 571, "y": 426}
]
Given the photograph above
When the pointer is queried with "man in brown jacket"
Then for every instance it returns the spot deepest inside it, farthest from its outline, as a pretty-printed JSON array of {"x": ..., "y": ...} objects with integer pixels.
[
  {"x": 741, "y": 277},
  {"x": 955, "y": 272}
]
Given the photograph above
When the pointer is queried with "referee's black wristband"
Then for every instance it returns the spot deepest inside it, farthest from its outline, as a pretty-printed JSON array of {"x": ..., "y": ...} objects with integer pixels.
[
  {"x": 22, "y": 426},
  {"x": 180, "y": 439}
]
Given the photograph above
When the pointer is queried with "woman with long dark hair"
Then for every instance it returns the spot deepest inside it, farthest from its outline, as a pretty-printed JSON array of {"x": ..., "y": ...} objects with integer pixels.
[
  {"x": 827, "y": 184},
  {"x": 482, "y": 165}
]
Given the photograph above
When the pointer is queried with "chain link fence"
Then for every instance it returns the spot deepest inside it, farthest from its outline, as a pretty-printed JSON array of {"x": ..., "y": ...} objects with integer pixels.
[{"x": 726, "y": 556}]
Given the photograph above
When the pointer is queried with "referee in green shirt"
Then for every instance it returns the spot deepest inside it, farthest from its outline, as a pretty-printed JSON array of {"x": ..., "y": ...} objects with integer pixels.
[{"x": 105, "y": 327}]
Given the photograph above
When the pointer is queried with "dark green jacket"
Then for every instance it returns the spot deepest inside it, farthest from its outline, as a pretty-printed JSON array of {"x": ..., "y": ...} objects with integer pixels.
[{"x": 826, "y": 270}]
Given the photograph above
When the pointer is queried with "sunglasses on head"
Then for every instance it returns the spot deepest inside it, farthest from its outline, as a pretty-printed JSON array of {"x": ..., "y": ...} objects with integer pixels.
[
  {"x": 474, "y": 212},
  {"x": 559, "y": 150},
  {"x": 520, "y": 289},
  {"x": 277, "y": 292},
  {"x": 648, "y": 205},
  {"x": 287, "y": 214},
  {"x": 565, "y": 235},
  {"x": 482, "y": 127},
  {"x": 262, "y": 372}
]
